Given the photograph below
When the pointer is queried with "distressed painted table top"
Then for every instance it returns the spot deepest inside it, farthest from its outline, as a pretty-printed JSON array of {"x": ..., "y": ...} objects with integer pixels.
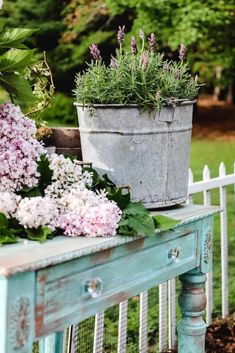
[{"x": 29, "y": 255}]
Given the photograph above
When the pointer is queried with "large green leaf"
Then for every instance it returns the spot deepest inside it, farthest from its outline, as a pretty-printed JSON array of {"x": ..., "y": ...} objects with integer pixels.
[
  {"x": 45, "y": 173},
  {"x": 13, "y": 37},
  {"x": 40, "y": 234},
  {"x": 15, "y": 60},
  {"x": 136, "y": 208},
  {"x": 3, "y": 222},
  {"x": 142, "y": 225},
  {"x": 7, "y": 235},
  {"x": 17, "y": 86},
  {"x": 164, "y": 223},
  {"x": 6, "y": 239}
]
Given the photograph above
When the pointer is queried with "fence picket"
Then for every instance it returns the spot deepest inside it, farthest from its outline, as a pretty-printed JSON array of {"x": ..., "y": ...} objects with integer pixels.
[
  {"x": 143, "y": 330},
  {"x": 209, "y": 283},
  {"x": 162, "y": 316},
  {"x": 190, "y": 181},
  {"x": 171, "y": 312},
  {"x": 99, "y": 333},
  {"x": 224, "y": 243},
  {"x": 122, "y": 327}
]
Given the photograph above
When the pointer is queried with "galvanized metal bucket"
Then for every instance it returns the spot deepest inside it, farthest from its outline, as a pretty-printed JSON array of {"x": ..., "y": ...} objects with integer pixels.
[{"x": 149, "y": 151}]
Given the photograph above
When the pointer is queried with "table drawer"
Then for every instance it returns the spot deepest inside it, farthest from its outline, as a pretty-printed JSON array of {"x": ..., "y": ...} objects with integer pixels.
[{"x": 72, "y": 298}]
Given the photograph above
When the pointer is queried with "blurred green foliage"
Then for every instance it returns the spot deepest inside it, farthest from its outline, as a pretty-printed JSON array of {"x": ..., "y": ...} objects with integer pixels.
[{"x": 61, "y": 111}]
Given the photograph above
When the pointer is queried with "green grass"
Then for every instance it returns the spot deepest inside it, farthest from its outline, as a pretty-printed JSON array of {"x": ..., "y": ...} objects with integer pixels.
[{"x": 212, "y": 153}]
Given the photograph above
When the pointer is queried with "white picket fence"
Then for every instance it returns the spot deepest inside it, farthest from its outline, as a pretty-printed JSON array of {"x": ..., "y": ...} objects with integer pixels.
[{"x": 167, "y": 292}]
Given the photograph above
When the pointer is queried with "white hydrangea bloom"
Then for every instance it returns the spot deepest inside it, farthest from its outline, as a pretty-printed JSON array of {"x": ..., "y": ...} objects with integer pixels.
[
  {"x": 67, "y": 175},
  {"x": 1, "y": 4},
  {"x": 37, "y": 211},
  {"x": 8, "y": 203}
]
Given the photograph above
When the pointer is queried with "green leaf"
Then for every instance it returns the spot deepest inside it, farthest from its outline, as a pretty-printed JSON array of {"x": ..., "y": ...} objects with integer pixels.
[
  {"x": 7, "y": 235},
  {"x": 45, "y": 173},
  {"x": 40, "y": 234},
  {"x": 17, "y": 86},
  {"x": 15, "y": 60},
  {"x": 3, "y": 222},
  {"x": 121, "y": 199},
  {"x": 13, "y": 37},
  {"x": 142, "y": 225},
  {"x": 136, "y": 208},
  {"x": 30, "y": 192},
  {"x": 6, "y": 239},
  {"x": 164, "y": 223}
]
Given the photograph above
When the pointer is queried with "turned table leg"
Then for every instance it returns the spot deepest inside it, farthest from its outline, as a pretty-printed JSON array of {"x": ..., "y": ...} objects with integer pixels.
[
  {"x": 52, "y": 343},
  {"x": 192, "y": 301}
]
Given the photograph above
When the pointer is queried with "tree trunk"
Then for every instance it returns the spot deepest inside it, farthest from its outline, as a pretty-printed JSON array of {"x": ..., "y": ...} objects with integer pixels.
[{"x": 217, "y": 89}]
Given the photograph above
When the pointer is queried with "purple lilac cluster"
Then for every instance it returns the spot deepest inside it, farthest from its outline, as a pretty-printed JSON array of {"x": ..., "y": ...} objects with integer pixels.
[
  {"x": 68, "y": 203},
  {"x": 19, "y": 150}
]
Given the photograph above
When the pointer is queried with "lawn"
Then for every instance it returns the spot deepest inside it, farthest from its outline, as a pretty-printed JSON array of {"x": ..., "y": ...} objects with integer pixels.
[{"x": 212, "y": 153}]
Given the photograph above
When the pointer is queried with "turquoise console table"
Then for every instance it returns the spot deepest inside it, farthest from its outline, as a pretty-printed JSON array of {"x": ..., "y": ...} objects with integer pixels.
[{"x": 45, "y": 288}]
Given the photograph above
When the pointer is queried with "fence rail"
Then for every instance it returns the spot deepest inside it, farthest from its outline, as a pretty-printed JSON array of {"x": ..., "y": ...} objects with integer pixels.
[{"x": 167, "y": 291}]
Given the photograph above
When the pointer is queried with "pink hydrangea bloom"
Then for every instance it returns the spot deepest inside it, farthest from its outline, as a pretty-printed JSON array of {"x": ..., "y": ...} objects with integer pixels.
[
  {"x": 19, "y": 150},
  {"x": 98, "y": 221},
  {"x": 84, "y": 212}
]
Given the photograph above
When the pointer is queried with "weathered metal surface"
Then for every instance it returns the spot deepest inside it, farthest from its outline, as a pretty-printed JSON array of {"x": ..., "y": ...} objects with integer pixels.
[
  {"x": 147, "y": 150},
  {"x": 29, "y": 255}
]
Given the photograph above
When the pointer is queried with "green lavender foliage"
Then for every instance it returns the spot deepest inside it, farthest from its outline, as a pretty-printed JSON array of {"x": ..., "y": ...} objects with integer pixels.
[{"x": 153, "y": 85}]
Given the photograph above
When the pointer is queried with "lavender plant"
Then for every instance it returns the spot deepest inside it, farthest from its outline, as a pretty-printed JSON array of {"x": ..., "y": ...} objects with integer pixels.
[{"x": 140, "y": 75}]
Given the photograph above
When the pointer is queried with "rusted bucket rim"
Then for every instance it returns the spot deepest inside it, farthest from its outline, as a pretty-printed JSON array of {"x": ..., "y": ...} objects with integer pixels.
[{"x": 121, "y": 106}]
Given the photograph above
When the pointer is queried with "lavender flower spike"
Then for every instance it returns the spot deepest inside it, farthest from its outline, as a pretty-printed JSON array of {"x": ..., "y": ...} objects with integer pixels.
[
  {"x": 182, "y": 52},
  {"x": 121, "y": 34},
  {"x": 152, "y": 42},
  {"x": 134, "y": 49},
  {"x": 94, "y": 51},
  {"x": 144, "y": 61},
  {"x": 141, "y": 34}
]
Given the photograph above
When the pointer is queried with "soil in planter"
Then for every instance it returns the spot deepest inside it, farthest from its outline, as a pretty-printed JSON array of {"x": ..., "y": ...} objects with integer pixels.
[{"x": 220, "y": 336}]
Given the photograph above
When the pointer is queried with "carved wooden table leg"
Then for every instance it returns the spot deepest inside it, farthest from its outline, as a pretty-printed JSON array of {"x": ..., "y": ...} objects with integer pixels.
[
  {"x": 192, "y": 301},
  {"x": 52, "y": 343},
  {"x": 17, "y": 313}
]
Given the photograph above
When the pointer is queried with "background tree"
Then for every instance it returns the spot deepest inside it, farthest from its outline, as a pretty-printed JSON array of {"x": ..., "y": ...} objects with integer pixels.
[{"x": 68, "y": 27}]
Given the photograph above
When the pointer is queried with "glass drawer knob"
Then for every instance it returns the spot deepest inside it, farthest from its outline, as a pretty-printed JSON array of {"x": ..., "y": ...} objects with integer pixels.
[
  {"x": 175, "y": 254},
  {"x": 94, "y": 287}
]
